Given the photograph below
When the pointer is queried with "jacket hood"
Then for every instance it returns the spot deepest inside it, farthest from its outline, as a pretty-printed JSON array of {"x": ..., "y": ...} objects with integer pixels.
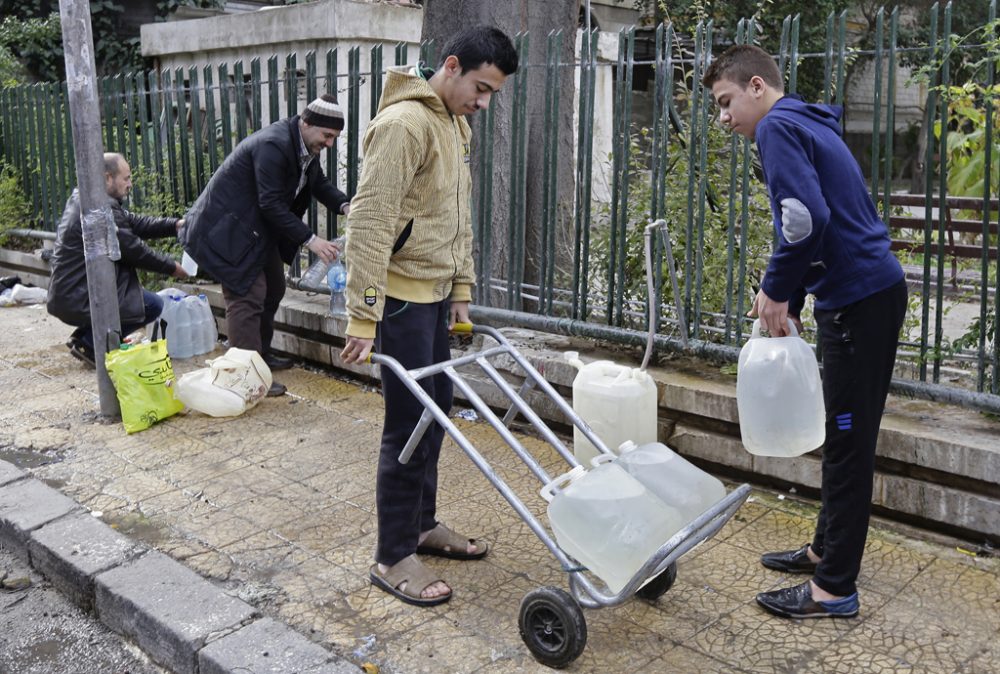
[
  {"x": 817, "y": 113},
  {"x": 404, "y": 84}
]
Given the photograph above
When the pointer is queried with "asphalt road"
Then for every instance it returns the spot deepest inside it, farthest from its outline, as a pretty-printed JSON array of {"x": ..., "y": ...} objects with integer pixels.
[{"x": 42, "y": 633}]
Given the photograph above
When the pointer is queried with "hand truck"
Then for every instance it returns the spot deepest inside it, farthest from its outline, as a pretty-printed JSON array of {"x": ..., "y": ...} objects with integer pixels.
[{"x": 550, "y": 620}]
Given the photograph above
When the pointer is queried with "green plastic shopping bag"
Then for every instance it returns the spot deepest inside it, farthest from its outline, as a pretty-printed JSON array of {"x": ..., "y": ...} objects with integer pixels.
[{"x": 141, "y": 374}]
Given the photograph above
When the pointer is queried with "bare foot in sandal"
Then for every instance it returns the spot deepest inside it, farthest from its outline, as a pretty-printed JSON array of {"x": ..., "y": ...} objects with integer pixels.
[
  {"x": 410, "y": 581},
  {"x": 432, "y": 591}
]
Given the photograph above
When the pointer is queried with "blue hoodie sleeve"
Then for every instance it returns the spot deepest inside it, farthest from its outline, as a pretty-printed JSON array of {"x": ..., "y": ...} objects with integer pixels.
[{"x": 801, "y": 213}]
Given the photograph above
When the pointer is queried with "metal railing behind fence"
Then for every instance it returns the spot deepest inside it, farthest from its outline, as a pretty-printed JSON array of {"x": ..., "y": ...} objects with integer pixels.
[{"x": 176, "y": 127}]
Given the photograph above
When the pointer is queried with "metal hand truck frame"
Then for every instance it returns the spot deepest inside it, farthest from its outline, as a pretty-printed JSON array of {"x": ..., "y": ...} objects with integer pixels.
[{"x": 550, "y": 620}]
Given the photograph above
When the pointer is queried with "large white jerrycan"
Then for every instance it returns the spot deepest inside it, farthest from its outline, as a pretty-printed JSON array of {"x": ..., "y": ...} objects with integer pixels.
[
  {"x": 669, "y": 476},
  {"x": 608, "y": 521},
  {"x": 229, "y": 386},
  {"x": 617, "y": 402},
  {"x": 779, "y": 395}
]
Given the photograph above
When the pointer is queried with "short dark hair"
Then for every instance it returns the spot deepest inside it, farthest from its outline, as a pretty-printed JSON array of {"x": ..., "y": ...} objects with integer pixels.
[
  {"x": 478, "y": 45},
  {"x": 742, "y": 62}
]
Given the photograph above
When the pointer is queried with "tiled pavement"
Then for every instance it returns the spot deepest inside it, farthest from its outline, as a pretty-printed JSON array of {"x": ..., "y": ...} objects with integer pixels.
[{"x": 276, "y": 506}]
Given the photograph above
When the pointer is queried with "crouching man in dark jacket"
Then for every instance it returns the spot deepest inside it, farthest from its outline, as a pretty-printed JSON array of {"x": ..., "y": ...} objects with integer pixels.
[
  {"x": 69, "y": 300},
  {"x": 247, "y": 224}
]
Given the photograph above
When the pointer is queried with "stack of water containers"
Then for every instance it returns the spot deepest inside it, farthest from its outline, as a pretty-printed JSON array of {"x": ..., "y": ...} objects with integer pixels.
[
  {"x": 191, "y": 329},
  {"x": 615, "y": 516}
]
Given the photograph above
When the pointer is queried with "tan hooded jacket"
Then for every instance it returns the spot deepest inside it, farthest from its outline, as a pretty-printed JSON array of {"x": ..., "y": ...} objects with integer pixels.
[{"x": 415, "y": 190}]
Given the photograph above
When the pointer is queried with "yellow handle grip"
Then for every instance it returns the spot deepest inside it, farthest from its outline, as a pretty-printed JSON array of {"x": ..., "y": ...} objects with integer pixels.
[{"x": 465, "y": 328}]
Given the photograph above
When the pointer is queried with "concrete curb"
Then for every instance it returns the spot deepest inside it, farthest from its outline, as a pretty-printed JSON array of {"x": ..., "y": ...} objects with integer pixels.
[{"x": 180, "y": 620}]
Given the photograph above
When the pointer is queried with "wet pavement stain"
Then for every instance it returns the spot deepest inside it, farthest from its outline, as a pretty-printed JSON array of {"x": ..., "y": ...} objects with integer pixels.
[{"x": 27, "y": 458}]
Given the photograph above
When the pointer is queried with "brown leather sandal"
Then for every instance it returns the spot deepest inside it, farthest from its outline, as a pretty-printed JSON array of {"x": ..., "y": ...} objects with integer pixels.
[
  {"x": 443, "y": 542},
  {"x": 417, "y": 577}
]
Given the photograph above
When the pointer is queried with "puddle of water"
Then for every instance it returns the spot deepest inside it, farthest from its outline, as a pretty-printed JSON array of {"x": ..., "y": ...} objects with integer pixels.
[
  {"x": 25, "y": 458},
  {"x": 139, "y": 528}
]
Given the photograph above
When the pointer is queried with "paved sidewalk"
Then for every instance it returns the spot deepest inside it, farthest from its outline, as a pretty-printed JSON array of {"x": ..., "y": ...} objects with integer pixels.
[{"x": 277, "y": 509}]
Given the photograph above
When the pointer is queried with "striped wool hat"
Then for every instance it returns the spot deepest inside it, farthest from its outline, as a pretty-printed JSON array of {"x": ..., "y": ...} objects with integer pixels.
[{"x": 324, "y": 111}]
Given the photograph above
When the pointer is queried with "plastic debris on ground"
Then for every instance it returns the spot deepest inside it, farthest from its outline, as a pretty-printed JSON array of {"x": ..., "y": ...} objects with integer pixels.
[
  {"x": 21, "y": 294},
  {"x": 468, "y": 415}
]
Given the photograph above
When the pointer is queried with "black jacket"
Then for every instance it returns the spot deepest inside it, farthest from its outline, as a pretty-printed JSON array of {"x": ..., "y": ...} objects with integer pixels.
[
  {"x": 69, "y": 300},
  {"x": 249, "y": 207}
]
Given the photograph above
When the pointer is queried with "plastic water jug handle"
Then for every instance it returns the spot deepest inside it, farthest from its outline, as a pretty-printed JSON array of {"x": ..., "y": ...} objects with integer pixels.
[
  {"x": 601, "y": 459},
  {"x": 573, "y": 475},
  {"x": 756, "y": 328}
]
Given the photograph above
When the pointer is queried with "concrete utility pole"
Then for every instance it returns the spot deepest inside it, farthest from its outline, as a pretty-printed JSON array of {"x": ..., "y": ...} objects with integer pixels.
[{"x": 100, "y": 236}]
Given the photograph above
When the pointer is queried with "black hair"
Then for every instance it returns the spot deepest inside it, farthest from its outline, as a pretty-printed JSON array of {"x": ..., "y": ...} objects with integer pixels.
[
  {"x": 742, "y": 62},
  {"x": 478, "y": 45}
]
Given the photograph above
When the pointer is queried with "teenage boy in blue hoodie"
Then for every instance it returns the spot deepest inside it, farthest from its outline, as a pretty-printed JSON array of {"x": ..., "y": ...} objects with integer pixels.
[{"x": 832, "y": 244}]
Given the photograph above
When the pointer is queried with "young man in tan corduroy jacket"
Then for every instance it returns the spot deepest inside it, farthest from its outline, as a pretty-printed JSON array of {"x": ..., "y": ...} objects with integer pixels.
[{"x": 410, "y": 277}]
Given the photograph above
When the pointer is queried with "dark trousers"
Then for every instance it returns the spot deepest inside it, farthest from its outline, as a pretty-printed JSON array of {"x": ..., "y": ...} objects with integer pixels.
[
  {"x": 152, "y": 305},
  {"x": 859, "y": 350},
  {"x": 405, "y": 494},
  {"x": 250, "y": 317}
]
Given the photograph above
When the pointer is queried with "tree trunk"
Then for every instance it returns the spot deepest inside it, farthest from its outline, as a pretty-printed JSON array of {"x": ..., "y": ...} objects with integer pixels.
[{"x": 442, "y": 19}]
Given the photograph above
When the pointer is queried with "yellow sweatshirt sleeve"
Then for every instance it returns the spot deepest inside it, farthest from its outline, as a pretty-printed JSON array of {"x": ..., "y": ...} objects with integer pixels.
[{"x": 393, "y": 155}]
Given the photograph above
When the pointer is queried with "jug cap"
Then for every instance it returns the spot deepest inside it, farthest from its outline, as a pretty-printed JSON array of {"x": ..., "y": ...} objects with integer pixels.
[
  {"x": 573, "y": 358},
  {"x": 627, "y": 446}
]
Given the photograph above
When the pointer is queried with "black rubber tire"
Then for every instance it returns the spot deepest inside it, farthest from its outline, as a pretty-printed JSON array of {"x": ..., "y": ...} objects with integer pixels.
[
  {"x": 552, "y": 626},
  {"x": 657, "y": 587}
]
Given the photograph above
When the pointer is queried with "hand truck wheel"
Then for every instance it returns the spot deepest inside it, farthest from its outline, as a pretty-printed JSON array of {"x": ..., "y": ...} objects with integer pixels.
[
  {"x": 657, "y": 587},
  {"x": 552, "y": 626}
]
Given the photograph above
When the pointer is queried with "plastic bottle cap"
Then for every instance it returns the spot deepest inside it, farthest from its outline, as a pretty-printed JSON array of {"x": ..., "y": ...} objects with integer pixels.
[{"x": 627, "y": 446}]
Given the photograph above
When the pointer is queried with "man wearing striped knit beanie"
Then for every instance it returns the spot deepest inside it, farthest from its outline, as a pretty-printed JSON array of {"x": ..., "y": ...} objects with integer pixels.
[{"x": 247, "y": 224}]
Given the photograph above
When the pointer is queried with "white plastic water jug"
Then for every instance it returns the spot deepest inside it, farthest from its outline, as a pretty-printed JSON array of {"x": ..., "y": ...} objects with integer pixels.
[
  {"x": 608, "y": 521},
  {"x": 779, "y": 395},
  {"x": 171, "y": 303},
  {"x": 618, "y": 402},
  {"x": 677, "y": 482},
  {"x": 182, "y": 345},
  {"x": 211, "y": 330},
  {"x": 230, "y": 385},
  {"x": 202, "y": 324}
]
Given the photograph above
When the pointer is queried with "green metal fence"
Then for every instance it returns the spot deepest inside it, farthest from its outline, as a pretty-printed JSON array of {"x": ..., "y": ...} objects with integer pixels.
[{"x": 176, "y": 126}]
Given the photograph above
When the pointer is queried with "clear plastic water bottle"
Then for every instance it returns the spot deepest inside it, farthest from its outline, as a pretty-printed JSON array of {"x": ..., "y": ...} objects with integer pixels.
[
  {"x": 313, "y": 276},
  {"x": 336, "y": 278}
]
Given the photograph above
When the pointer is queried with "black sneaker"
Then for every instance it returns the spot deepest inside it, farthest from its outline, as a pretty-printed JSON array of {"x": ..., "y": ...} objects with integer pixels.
[
  {"x": 789, "y": 561},
  {"x": 82, "y": 353},
  {"x": 797, "y": 602},
  {"x": 276, "y": 390},
  {"x": 277, "y": 362}
]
